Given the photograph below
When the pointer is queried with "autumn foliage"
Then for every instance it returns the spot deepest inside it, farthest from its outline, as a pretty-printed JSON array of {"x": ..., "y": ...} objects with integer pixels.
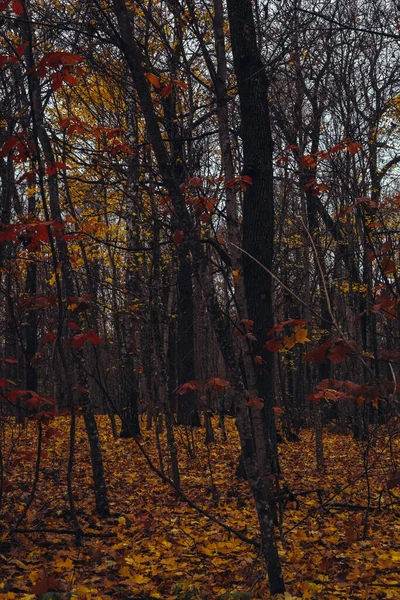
[{"x": 200, "y": 294}]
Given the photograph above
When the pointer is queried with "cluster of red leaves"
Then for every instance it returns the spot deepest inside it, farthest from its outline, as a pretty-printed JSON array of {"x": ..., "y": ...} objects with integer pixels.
[
  {"x": 213, "y": 383},
  {"x": 63, "y": 67},
  {"x": 335, "y": 350},
  {"x": 31, "y": 234},
  {"x": 336, "y": 389},
  {"x": 310, "y": 161}
]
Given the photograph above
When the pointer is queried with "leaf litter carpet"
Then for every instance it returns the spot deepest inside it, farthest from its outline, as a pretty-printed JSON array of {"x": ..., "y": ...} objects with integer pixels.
[{"x": 156, "y": 546}]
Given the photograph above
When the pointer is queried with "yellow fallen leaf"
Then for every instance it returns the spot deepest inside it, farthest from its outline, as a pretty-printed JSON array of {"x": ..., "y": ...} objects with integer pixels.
[
  {"x": 140, "y": 579},
  {"x": 62, "y": 565}
]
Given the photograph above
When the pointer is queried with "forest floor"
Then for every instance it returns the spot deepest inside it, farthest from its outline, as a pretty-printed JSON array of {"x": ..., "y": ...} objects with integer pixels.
[{"x": 156, "y": 546}]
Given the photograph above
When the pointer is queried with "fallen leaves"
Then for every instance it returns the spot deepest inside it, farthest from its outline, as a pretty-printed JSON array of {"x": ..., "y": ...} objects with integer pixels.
[{"x": 155, "y": 546}]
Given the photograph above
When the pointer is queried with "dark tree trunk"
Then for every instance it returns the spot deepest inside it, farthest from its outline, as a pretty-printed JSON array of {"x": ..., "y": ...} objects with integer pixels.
[
  {"x": 187, "y": 413},
  {"x": 258, "y": 207}
]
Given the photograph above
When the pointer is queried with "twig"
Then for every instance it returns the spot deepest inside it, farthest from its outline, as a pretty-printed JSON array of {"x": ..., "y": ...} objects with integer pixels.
[{"x": 192, "y": 504}]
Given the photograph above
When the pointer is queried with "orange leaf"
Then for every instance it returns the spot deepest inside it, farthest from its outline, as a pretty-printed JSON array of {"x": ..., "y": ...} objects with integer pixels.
[
  {"x": 153, "y": 79},
  {"x": 354, "y": 147},
  {"x": 257, "y": 402},
  {"x": 189, "y": 386},
  {"x": 181, "y": 84},
  {"x": 217, "y": 384},
  {"x": 309, "y": 162},
  {"x": 167, "y": 89}
]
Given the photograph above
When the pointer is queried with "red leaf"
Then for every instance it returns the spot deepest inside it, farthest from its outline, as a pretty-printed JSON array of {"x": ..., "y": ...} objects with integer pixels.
[
  {"x": 231, "y": 183},
  {"x": 278, "y": 411},
  {"x": 280, "y": 326},
  {"x": 19, "y": 50},
  {"x": 195, "y": 181},
  {"x": 49, "y": 337},
  {"x": 318, "y": 355},
  {"x": 9, "y": 145},
  {"x": 388, "y": 265},
  {"x": 82, "y": 390},
  {"x": 78, "y": 340},
  {"x": 315, "y": 397},
  {"x": 336, "y": 148},
  {"x": 217, "y": 384},
  {"x": 17, "y": 7},
  {"x": 51, "y": 168},
  {"x": 257, "y": 402},
  {"x": 190, "y": 386},
  {"x": 3, "y": 383},
  {"x": 11, "y": 361},
  {"x": 92, "y": 337},
  {"x": 340, "y": 349},
  {"x": 281, "y": 160},
  {"x": 273, "y": 346},
  {"x": 34, "y": 402},
  {"x": 73, "y": 325},
  {"x": 14, "y": 394},
  {"x": 56, "y": 81},
  {"x": 71, "y": 79},
  {"x": 52, "y": 432},
  {"x": 178, "y": 237}
]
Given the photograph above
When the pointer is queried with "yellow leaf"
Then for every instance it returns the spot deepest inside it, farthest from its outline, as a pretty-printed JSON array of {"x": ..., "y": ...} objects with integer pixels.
[
  {"x": 125, "y": 572},
  {"x": 140, "y": 579},
  {"x": 33, "y": 576},
  {"x": 289, "y": 341},
  {"x": 301, "y": 335},
  {"x": 62, "y": 565}
]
